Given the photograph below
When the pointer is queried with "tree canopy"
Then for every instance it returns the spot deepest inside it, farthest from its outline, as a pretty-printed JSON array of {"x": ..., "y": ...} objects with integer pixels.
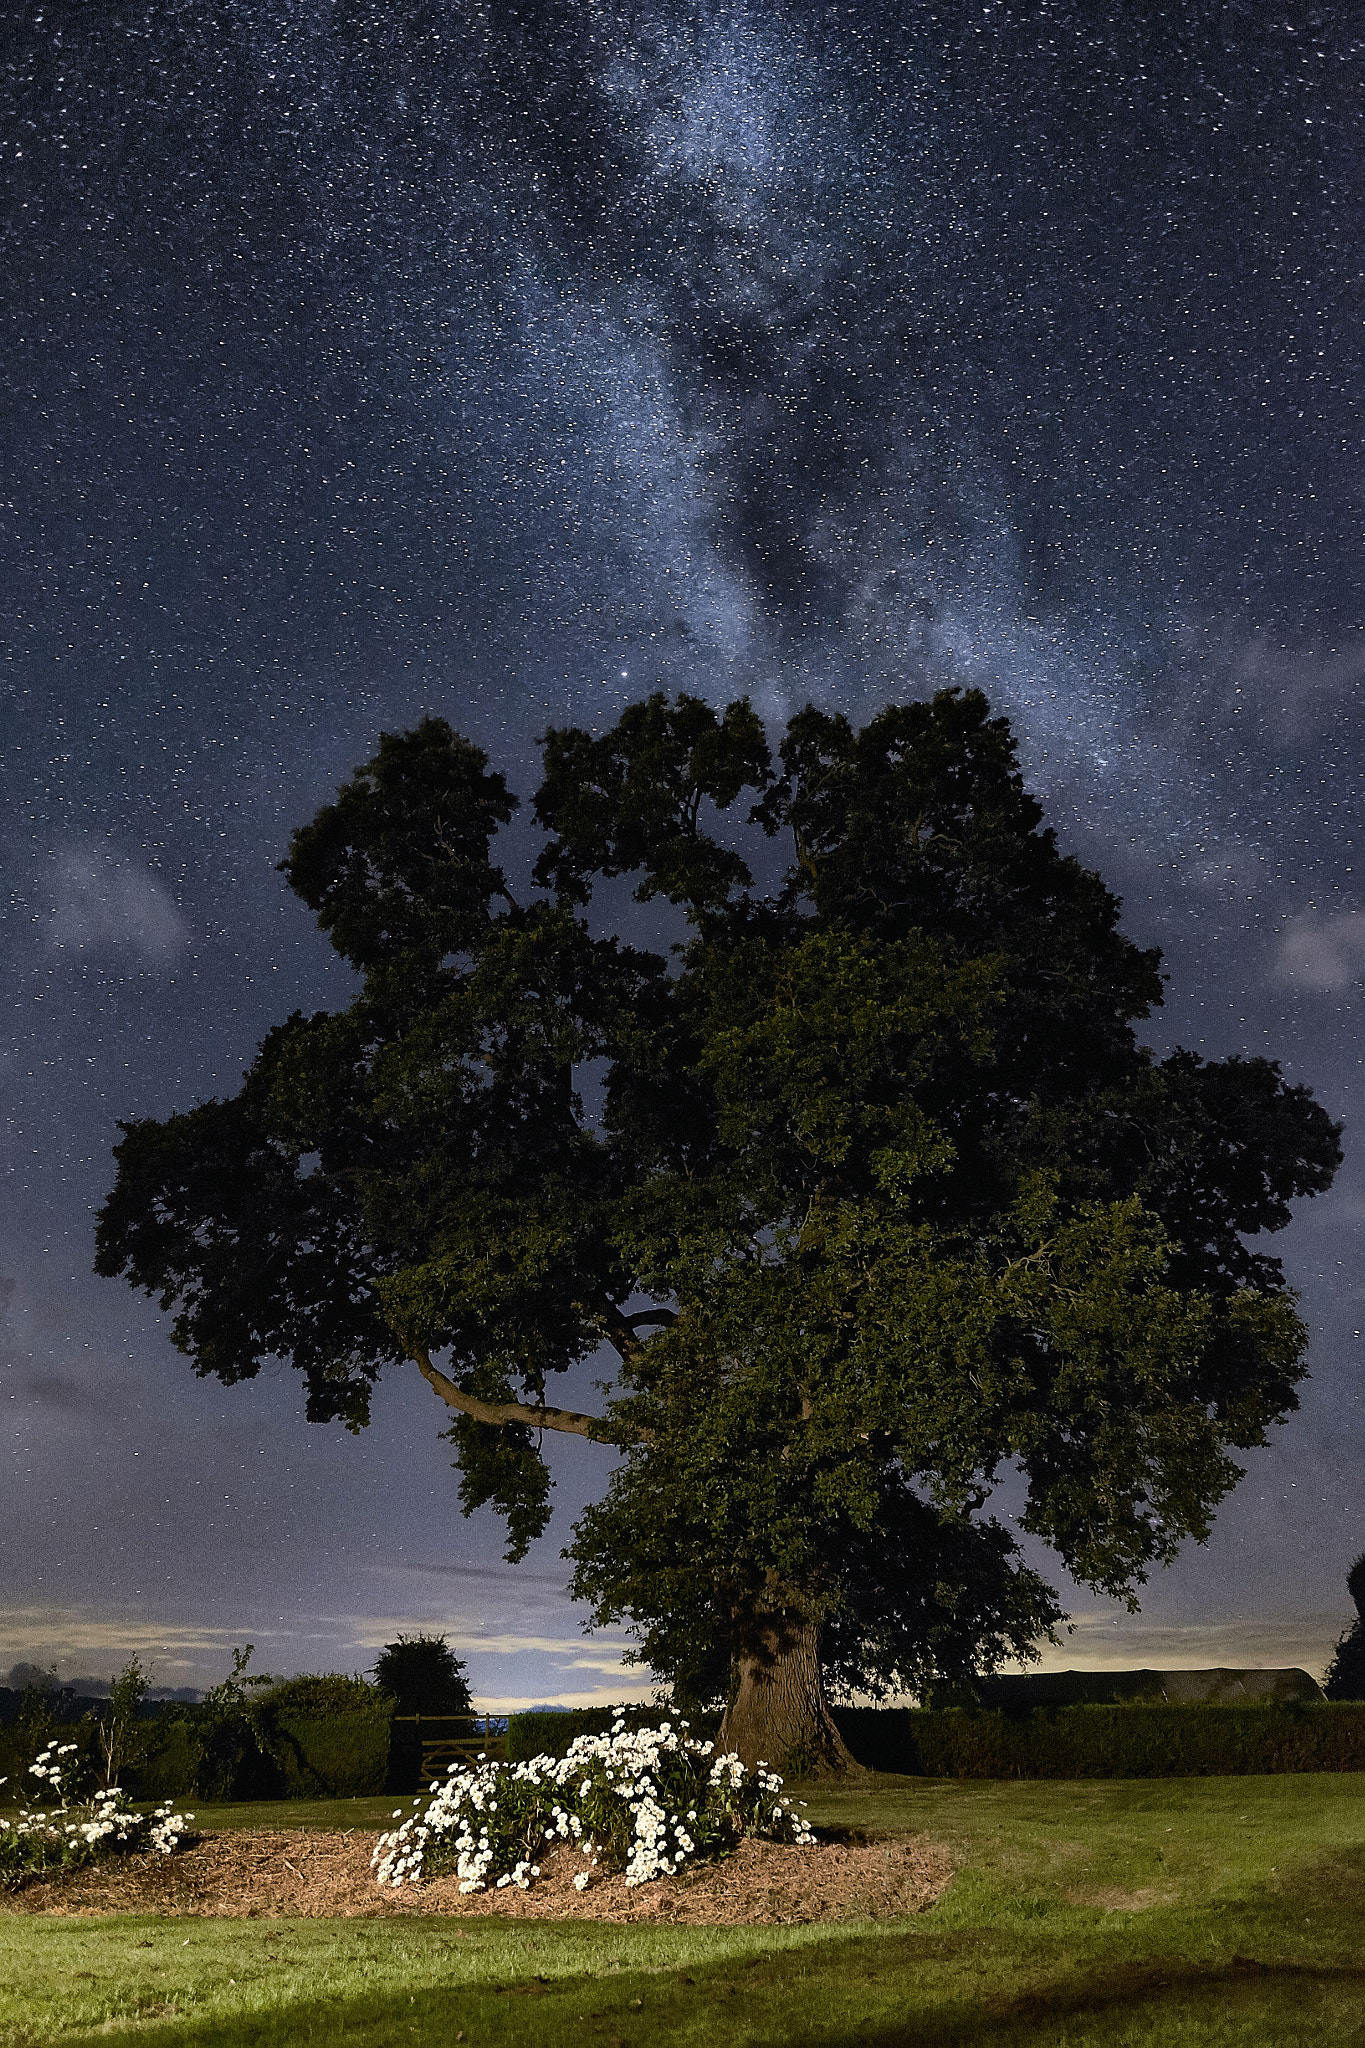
[
  {"x": 1346, "y": 1673},
  {"x": 424, "y": 1676},
  {"x": 869, "y": 1183}
]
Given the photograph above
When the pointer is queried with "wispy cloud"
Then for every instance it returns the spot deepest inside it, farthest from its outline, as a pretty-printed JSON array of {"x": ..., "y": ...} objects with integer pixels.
[
  {"x": 98, "y": 903},
  {"x": 1301, "y": 687},
  {"x": 1323, "y": 953},
  {"x": 1102, "y": 1642},
  {"x": 510, "y": 1577},
  {"x": 472, "y": 1636},
  {"x": 75, "y": 1640},
  {"x": 71, "y": 1641}
]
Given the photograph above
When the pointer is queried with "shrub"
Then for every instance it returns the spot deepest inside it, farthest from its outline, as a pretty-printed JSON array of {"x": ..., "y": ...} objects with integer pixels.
[
  {"x": 332, "y": 1756},
  {"x": 62, "y": 1837},
  {"x": 122, "y": 1742},
  {"x": 326, "y": 1693},
  {"x": 328, "y": 1735},
  {"x": 644, "y": 1803},
  {"x": 38, "y": 1726},
  {"x": 257, "y": 1737},
  {"x": 320, "y": 1735},
  {"x": 1346, "y": 1673},
  {"x": 235, "y": 1759},
  {"x": 335, "y": 1756}
]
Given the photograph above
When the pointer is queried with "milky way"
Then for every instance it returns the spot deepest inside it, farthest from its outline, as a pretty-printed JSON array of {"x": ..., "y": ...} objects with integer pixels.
[{"x": 363, "y": 360}]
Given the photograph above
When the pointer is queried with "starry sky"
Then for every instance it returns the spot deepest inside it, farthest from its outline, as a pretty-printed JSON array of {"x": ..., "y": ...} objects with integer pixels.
[{"x": 370, "y": 358}]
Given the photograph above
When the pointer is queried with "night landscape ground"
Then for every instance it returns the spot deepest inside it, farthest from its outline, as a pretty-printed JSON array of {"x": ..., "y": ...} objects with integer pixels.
[{"x": 1194, "y": 1913}]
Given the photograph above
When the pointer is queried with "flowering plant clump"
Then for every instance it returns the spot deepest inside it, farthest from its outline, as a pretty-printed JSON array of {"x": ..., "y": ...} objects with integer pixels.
[
  {"x": 643, "y": 1803},
  {"x": 62, "y": 1837}
]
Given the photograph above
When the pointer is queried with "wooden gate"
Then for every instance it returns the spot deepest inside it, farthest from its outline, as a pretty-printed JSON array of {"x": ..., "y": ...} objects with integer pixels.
[{"x": 429, "y": 1743}]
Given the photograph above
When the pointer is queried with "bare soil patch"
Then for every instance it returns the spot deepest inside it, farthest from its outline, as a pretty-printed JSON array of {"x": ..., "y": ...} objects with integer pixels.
[{"x": 312, "y": 1873}]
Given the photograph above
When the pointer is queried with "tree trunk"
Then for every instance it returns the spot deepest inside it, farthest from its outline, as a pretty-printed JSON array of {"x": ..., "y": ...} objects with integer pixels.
[{"x": 778, "y": 1714}]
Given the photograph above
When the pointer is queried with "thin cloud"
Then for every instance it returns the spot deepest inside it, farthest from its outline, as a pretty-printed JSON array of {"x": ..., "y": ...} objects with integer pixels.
[
  {"x": 1323, "y": 953},
  {"x": 1270, "y": 1642},
  {"x": 633, "y": 1693},
  {"x": 470, "y": 1636},
  {"x": 511, "y": 1578},
  {"x": 61, "y": 1392},
  {"x": 100, "y": 904}
]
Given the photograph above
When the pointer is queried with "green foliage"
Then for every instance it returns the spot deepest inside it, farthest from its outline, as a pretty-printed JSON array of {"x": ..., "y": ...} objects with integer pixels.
[
  {"x": 255, "y": 1737},
  {"x": 335, "y": 1756},
  {"x": 236, "y": 1759},
  {"x": 1138, "y": 1741},
  {"x": 36, "y": 1729},
  {"x": 324, "y": 1694},
  {"x": 65, "y": 1833},
  {"x": 423, "y": 1675},
  {"x": 905, "y": 1201},
  {"x": 1345, "y": 1678},
  {"x": 644, "y": 1802},
  {"x": 123, "y": 1741}
]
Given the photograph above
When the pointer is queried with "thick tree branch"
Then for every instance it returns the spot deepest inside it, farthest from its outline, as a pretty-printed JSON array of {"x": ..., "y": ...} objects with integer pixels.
[
  {"x": 619, "y": 1332},
  {"x": 496, "y": 1413}
]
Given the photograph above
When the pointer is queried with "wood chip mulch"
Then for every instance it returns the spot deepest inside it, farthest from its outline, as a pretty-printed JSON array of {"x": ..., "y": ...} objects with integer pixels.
[{"x": 310, "y": 1873}]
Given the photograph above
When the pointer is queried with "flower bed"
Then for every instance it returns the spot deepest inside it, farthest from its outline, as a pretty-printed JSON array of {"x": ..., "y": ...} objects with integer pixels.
[
  {"x": 63, "y": 1836},
  {"x": 644, "y": 1803}
]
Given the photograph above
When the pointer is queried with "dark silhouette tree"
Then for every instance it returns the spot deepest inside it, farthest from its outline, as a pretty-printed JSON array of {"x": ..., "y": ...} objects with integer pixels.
[
  {"x": 1346, "y": 1673},
  {"x": 875, "y": 1194},
  {"x": 423, "y": 1674}
]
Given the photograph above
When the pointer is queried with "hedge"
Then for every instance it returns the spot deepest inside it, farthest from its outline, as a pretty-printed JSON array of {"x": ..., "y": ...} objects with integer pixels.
[
  {"x": 322, "y": 1738},
  {"x": 345, "y": 1754},
  {"x": 335, "y": 1756},
  {"x": 531, "y": 1735},
  {"x": 170, "y": 1767},
  {"x": 1132, "y": 1741}
]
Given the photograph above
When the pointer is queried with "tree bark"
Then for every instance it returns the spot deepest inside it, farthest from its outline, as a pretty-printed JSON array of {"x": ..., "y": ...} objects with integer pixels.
[{"x": 778, "y": 1713}]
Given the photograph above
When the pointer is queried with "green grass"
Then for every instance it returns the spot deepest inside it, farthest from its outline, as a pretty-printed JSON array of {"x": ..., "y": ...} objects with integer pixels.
[{"x": 1253, "y": 1932}]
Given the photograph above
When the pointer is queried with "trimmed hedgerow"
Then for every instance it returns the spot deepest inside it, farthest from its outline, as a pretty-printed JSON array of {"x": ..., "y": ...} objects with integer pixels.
[
  {"x": 1132, "y": 1741},
  {"x": 328, "y": 1735}
]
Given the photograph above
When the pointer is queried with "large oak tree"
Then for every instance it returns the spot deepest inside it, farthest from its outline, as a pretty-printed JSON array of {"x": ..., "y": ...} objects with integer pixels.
[{"x": 869, "y": 1183}]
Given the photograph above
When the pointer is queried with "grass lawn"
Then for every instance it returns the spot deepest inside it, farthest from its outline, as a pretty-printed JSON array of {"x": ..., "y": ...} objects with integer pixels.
[{"x": 1183, "y": 1911}]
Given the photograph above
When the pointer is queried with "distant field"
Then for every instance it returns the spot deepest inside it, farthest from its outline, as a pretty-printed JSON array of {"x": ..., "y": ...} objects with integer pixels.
[{"x": 1189, "y": 1912}]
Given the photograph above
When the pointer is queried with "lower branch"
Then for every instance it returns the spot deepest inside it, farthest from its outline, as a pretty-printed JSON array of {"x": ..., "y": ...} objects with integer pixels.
[{"x": 568, "y": 1420}]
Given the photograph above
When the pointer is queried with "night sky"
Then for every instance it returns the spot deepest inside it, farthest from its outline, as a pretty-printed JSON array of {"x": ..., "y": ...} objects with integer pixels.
[{"x": 365, "y": 360}]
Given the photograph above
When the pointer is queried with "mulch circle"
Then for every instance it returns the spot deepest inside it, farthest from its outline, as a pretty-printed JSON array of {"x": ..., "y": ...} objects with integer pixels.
[{"x": 310, "y": 1873}]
